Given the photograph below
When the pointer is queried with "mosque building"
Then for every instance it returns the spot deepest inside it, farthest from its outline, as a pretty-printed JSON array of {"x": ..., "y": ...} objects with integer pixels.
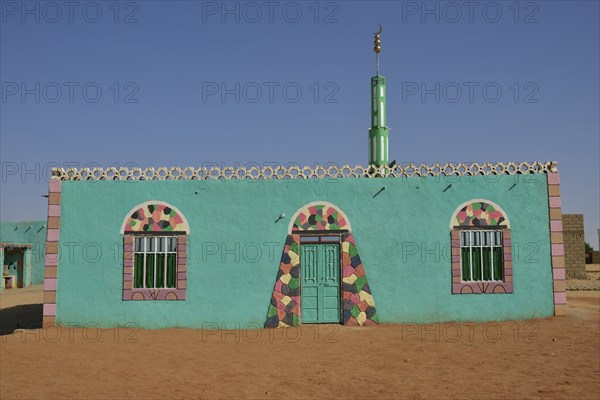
[{"x": 284, "y": 246}]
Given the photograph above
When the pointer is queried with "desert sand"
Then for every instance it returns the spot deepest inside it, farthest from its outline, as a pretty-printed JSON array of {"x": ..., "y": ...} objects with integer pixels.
[{"x": 551, "y": 358}]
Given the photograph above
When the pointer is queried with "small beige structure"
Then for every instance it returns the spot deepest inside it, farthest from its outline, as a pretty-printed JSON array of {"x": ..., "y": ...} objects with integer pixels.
[{"x": 574, "y": 245}]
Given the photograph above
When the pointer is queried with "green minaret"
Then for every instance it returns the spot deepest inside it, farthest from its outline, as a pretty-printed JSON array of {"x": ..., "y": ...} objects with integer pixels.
[{"x": 378, "y": 133}]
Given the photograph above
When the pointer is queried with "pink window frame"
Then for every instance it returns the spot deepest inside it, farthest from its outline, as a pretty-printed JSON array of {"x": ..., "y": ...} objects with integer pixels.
[
  {"x": 131, "y": 293},
  {"x": 479, "y": 287}
]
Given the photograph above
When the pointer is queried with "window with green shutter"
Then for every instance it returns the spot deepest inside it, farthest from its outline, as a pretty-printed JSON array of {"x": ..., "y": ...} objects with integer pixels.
[
  {"x": 155, "y": 262},
  {"x": 481, "y": 255}
]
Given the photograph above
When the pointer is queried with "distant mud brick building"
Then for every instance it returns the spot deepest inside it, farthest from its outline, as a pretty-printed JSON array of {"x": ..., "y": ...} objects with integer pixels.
[{"x": 574, "y": 242}]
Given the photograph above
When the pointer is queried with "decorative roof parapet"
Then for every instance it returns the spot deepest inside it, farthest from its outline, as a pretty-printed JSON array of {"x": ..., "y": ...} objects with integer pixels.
[{"x": 306, "y": 172}]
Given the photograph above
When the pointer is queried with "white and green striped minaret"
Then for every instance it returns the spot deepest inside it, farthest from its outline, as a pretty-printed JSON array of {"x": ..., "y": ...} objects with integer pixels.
[{"x": 378, "y": 133}]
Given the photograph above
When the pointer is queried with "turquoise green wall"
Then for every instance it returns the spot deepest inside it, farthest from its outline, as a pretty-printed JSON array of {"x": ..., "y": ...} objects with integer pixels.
[
  {"x": 19, "y": 232},
  {"x": 408, "y": 213}
]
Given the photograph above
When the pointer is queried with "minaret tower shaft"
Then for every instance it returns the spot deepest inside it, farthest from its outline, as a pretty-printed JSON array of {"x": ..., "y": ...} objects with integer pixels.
[{"x": 378, "y": 133}]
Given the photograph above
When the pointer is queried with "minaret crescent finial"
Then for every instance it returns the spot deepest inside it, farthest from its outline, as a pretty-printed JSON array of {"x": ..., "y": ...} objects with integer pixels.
[{"x": 377, "y": 46}]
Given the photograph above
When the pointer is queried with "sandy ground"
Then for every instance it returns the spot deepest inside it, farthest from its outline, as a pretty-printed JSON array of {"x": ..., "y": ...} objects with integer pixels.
[
  {"x": 552, "y": 358},
  {"x": 29, "y": 295}
]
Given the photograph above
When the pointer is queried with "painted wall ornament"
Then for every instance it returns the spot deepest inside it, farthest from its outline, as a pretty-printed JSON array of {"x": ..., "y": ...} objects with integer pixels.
[
  {"x": 154, "y": 216},
  {"x": 479, "y": 213}
]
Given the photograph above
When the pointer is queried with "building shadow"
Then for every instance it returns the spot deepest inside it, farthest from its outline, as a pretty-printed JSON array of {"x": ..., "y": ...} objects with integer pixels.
[{"x": 28, "y": 316}]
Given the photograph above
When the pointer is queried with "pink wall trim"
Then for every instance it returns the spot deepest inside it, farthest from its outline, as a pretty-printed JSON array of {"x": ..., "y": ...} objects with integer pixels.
[
  {"x": 52, "y": 235},
  {"x": 50, "y": 284},
  {"x": 49, "y": 309},
  {"x": 54, "y": 210},
  {"x": 558, "y": 273},
  {"x": 560, "y": 297},
  {"x": 558, "y": 249},
  {"x": 555, "y": 202},
  {"x": 553, "y": 178},
  {"x": 51, "y": 260},
  {"x": 556, "y": 225},
  {"x": 55, "y": 186}
]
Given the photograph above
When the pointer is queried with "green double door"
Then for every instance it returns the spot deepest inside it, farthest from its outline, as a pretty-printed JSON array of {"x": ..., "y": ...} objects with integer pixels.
[{"x": 320, "y": 283}]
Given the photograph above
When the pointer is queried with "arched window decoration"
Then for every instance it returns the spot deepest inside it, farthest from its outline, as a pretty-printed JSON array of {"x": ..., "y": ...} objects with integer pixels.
[
  {"x": 319, "y": 216},
  {"x": 479, "y": 213},
  {"x": 154, "y": 252},
  {"x": 155, "y": 216},
  {"x": 481, "y": 248}
]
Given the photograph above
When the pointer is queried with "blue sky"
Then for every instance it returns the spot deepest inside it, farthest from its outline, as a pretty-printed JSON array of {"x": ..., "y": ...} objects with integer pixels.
[{"x": 157, "y": 83}]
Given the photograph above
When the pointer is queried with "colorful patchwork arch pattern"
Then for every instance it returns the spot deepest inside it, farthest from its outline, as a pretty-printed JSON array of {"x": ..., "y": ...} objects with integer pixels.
[
  {"x": 320, "y": 218},
  {"x": 480, "y": 214},
  {"x": 284, "y": 309},
  {"x": 155, "y": 218},
  {"x": 358, "y": 306},
  {"x": 357, "y": 300}
]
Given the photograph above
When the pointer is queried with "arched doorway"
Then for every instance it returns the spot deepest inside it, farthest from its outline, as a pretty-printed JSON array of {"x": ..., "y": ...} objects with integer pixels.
[{"x": 321, "y": 278}]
